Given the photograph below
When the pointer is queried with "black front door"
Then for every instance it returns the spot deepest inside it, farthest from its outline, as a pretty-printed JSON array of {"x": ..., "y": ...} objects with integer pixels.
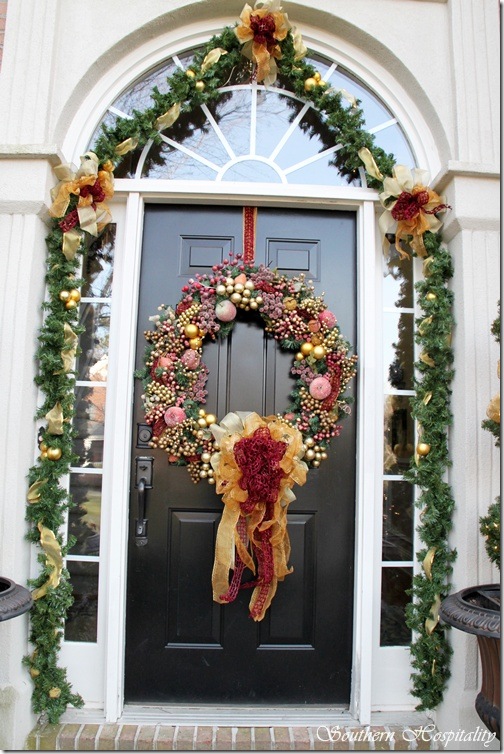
[{"x": 180, "y": 645}]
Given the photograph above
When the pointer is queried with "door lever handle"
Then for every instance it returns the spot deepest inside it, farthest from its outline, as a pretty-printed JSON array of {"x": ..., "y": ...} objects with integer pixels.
[{"x": 141, "y": 521}]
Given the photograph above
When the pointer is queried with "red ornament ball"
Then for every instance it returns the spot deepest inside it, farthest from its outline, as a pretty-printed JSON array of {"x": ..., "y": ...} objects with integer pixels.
[
  {"x": 174, "y": 415},
  {"x": 327, "y": 318}
]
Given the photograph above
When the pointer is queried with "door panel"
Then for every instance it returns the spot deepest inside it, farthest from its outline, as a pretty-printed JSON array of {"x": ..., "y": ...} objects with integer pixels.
[{"x": 180, "y": 645}]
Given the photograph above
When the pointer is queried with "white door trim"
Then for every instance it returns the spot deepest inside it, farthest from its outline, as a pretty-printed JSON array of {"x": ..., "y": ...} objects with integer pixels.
[{"x": 112, "y": 610}]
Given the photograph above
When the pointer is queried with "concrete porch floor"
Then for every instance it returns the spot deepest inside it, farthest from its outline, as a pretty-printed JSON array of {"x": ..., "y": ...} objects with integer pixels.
[{"x": 166, "y": 732}]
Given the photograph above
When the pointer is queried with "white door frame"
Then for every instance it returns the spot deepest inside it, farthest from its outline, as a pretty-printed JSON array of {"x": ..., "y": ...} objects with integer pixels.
[{"x": 128, "y": 214}]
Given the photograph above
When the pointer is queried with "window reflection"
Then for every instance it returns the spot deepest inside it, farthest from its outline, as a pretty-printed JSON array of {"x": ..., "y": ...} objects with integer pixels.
[
  {"x": 397, "y": 520},
  {"x": 84, "y": 517},
  {"x": 89, "y": 421},
  {"x": 398, "y": 433},
  {"x": 397, "y": 280},
  {"x": 82, "y": 617},
  {"x": 97, "y": 265},
  {"x": 393, "y": 629},
  {"x": 398, "y": 350}
]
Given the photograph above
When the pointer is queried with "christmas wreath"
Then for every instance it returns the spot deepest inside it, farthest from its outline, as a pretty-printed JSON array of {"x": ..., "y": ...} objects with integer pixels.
[
  {"x": 175, "y": 374},
  {"x": 258, "y": 459}
]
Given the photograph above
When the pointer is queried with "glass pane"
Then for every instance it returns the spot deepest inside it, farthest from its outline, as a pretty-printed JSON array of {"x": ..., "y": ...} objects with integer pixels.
[
  {"x": 82, "y": 618},
  {"x": 84, "y": 517},
  {"x": 397, "y": 280},
  {"x": 97, "y": 265},
  {"x": 375, "y": 112},
  {"x": 252, "y": 171},
  {"x": 398, "y": 434},
  {"x": 92, "y": 363},
  {"x": 138, "y": 95},
  {"x": 392, "y": 140},
  {"x": 393, "y": 629},
  {"x": 89, "y": 425},
  {"x": 275, "y": 113},
  {"x": 397, "y": 520},
  {"x": 398, "y": 350},
  {"x": 165, "y": 161}
]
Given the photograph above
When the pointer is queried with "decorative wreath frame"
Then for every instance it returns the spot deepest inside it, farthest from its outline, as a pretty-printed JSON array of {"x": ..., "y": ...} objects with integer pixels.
[{"x": 263, "y": 45}]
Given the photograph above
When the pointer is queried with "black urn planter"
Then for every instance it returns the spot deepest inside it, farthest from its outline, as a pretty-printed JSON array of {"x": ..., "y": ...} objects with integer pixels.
[
  {"x": 14, "y": 599},
  {"x": 476, "y": 610}
]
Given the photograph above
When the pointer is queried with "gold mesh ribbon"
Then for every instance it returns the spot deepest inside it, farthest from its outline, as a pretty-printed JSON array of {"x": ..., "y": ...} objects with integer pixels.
[
  {"x": 233, "y": 428},
  {"x": 54, "y": 561}
]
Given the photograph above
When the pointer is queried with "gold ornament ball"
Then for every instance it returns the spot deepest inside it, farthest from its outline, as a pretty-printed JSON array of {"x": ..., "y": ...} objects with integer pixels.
[
  {"x": 195, "y": 343},
  {"x": 254, "y": 304},
  {"x": 309, "y": 442},
  {"x": 71, "y": 304},
  {"x": 74, "y": 294},
  {"x": 239, "y": 287},
  {"x": 431, "y": 296},
  {"x": 299, "y": 356},
  {"x": 210, "y": 419},
  {"x": 306, "y": 348},
  {"x": 202, "y": 422},
  {"x": 310, "y": 454},
  {"x": 34, "y": 672},
  {"x": 205, "y": 457},
  {"x": 249, "y": 285},
  {"x": 236, "y": 298},
  {"x": 201, "y": 412},
  {"x": 319, "y": 352},
  {"x": 423, "y": 448},
  {"x": 43, "y": 454},
  {"x": 55, "y": 693},
  {"x": 43, "y": 447},
  {"x": 310, "y": 83},
  {"x": 221, "y": 290},
  {"x": 64, "y": 295},
  {"x": 54, "y": 454},
  {"x": 191, "y": 331},
  {"x": 199, "y": 86},
  {"x": 190, "y": 74}
]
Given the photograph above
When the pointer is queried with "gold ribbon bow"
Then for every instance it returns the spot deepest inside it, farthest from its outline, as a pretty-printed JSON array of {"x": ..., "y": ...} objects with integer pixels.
[
  {"x": 263, "y": 53},
  {"x": 54, "y": 560},
  {"x": 233, "y": 428},
  {"x": 168, "y": 118},
  {"x": 91, "y": 219}
]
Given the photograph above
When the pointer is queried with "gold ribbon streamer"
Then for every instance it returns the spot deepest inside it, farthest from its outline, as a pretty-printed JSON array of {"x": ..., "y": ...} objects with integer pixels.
[
  {"x": 69, "y": 350},
  {"x": 370, "y": 163},
  {"x": 168, "y": 118},
  {"x": 54, "y": 560},
  {"x": 427, "y": 398},
  {"x": 424, "y": 356},
  {"x": 433, "y": 619},
  {"x": 54, "y": 419},
  {"x": 71, "y": 243},
  {"x": 424, "y": 323},
  {"x": 33, "y": 494},
  {"x": 128, "y": 145},
  {"x": 428, "y": 561},
  {"x": 232, "y": 428},
  {"x": 212, "y": 57}
]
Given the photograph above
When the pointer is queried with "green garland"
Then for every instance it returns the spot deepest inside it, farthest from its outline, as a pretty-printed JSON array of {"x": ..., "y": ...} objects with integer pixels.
[
  {"x": 490, "y": 524},
  {"x": 48, "y": 501}
]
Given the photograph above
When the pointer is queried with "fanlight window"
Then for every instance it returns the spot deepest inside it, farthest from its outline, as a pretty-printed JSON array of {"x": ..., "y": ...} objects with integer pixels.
[{"x": 253, "y": 134}]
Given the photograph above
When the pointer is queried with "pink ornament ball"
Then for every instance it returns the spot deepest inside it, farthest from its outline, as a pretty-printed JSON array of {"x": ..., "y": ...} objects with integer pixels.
[
  {"x": 225, "y": 311},
  {"x": 327, "y": 318},
  {"x": 320, "y": 388},
  {"x": 165, "y": 361},
  {"x": 174, "y": 415},
  {"x": 191, "y": 359}
]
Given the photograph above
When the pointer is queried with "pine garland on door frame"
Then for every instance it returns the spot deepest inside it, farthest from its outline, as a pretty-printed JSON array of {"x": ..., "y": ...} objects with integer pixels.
[{"x": 79, "y": 211}]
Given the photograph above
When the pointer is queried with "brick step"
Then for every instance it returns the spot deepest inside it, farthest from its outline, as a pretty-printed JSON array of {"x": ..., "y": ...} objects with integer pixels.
[{"x": 160, "y": 737}]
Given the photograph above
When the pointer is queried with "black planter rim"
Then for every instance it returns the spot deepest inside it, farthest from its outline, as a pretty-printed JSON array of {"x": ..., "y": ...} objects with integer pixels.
[{"x": 458, "y": 612}]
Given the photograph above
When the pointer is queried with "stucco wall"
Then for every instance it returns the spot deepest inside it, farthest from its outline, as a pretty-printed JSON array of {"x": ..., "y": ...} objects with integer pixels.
[{"x": 445, "y": 53}]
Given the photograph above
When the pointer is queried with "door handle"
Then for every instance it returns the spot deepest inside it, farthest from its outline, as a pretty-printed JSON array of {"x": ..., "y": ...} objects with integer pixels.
[
  {"x": 141, "y": 521},
  {"x": 143, "y": 482}
]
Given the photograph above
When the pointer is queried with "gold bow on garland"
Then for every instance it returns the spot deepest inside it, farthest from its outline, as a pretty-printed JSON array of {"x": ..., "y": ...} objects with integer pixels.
[
  {"x": 93, "y": 187},
  {"x": 261, "y": 30},
  {"x": 258, "y": 463}
]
